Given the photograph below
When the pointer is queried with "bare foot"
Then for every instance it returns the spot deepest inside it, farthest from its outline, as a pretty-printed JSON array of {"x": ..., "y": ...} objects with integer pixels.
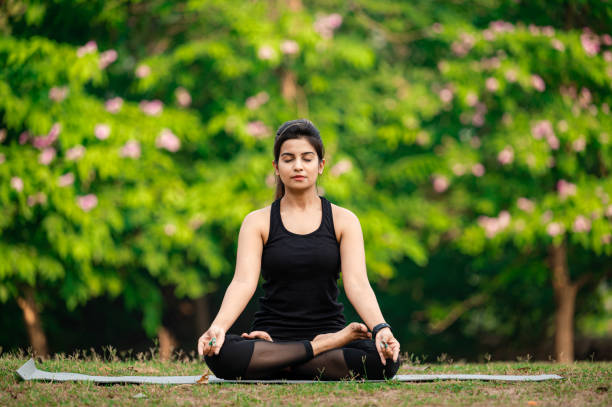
[{"x": 351, "y": 332}]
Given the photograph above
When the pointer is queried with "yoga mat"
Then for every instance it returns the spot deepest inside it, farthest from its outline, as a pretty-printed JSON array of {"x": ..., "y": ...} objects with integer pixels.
[{"x": 29, "y": 372}]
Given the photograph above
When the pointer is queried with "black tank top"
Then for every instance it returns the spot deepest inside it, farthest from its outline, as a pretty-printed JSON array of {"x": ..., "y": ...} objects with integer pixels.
[{"x": 300, "y": 271}]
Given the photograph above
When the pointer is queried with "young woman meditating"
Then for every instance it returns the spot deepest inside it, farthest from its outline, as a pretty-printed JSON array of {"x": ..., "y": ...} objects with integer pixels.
[{"x": 301, "y": 242}]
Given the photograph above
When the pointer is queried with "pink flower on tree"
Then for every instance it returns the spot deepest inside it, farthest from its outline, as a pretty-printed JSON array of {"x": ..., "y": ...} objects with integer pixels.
[
  {"x": 557, "y": 44},
  {"x": 65, "y": 180},
  {"x": 289, "y": 47},
  {"x": 2, "y": 135},
  {"x": 46, "y": 141},
  {"x": 58, "y": 93},
  {"x": 579, "y": 144},
  {"x": 89, "y": 48},
  {"x": 541, "y": 129},
  {"x": 183, "y": 97},
  {"x": 107, "y": 58},
  {"x": 131, "y": 149},
  {"x": 37, "y": 198},
  {"x": 142, "y": 71},
  {"x": 2, "y": 158},
  {"x": 24, "y": 137},
  {"x": 113, "y": 105},
  {"x": 341, "y": 167},
  {"x": 525, "y": 204},
  {"x": 75, "y": 153},
  {"x": 152, "y": 108},
  {"x": 471, "y": 99},
  {"x": 493, "y": 226},
  {"x": 538, "y": 83},
  {"x": 606, "y": 239},
  {"x": 554, "y": 229},
  {"x": 446, "y": 94},
  {"x": 440, "y": 183},
  {"x": 168, "y": 141},
  {"x": 478, "y": 170},
  {"x": 553, "y": 142},
  {"x": 492, "y": 84},
  {"x": 253, "y": 102},
  {"x": 265, "y": 53},
  {"x": 581, "y": 224},
  {"x": 590, "y": 42},
  {"x": 606, "y": 39},
  {"x": 257, "y": 129},
  {"x": 565, "y": 189},
  {"x": 511, "y": 75},
  {"x": 46, "y": 156},
  {"x": 17, "y": 184},
  {"x": 102, "y": 131},
  {"x": 87, "y": 202},
  {"x": 325, "y": 25},
  {"x": 506, "y": 156}
]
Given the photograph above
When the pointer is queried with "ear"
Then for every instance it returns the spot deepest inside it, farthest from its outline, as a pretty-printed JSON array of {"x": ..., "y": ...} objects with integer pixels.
[
  {"x": 275, "y": 168},
  {"x": 321, "y": 166}
]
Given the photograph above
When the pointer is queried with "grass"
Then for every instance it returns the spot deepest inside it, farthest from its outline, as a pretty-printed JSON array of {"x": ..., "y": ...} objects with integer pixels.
[{"x": 585, "y": 384}]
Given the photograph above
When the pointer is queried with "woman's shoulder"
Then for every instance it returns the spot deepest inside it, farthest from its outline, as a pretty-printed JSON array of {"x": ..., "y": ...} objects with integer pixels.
[
  {"x": 343, "y": 219},
  {"x": 259, "y": 219}
]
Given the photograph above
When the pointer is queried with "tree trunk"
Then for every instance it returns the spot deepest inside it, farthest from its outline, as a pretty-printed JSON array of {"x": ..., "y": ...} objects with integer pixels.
[
  {"x": 31, "y": 317},
  {"x": 202, "y": 315},
  {"x": 167, "y": 343},
  {"x": 565, "y": 298}
]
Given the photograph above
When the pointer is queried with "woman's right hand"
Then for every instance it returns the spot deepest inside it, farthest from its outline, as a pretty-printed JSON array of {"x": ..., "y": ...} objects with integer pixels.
[{"x": 211, "y": 341}]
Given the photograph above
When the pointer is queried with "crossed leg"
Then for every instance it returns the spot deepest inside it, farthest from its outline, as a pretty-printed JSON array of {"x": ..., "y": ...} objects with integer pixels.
[{"x": 342, "y": 354}]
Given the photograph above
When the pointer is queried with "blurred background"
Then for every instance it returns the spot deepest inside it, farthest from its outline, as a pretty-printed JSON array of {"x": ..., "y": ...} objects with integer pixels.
[{"x": 473, "y": 139}]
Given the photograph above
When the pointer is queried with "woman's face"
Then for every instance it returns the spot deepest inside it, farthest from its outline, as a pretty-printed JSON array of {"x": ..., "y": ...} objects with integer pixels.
[{"x": 298, "y": 164}]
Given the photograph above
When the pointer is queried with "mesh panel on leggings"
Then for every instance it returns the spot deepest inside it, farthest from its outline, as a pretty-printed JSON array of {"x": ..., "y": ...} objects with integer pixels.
[{"x": 271, "y": 357}]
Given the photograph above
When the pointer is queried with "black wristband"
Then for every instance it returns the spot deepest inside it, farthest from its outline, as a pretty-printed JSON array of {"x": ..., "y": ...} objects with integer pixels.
[{"x": 378, "y": 328}]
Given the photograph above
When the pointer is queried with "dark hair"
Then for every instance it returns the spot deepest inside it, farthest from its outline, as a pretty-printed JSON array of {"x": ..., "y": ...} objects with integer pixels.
[{"x": 291, "y": 130}]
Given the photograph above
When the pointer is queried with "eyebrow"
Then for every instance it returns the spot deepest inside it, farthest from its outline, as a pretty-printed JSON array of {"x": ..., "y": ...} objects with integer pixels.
[{"x": 291, "y": 154}]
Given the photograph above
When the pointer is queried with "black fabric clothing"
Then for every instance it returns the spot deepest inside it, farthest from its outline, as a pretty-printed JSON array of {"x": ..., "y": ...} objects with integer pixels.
[
  {"x": 300, "y": 297},
  {"x": 250, "y": 359}
]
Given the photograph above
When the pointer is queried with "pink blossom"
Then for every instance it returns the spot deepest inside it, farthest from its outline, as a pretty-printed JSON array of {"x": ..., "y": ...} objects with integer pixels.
[
  {"x": 554, "y": 229},
  {"x": 543, "y": 128},
  {"x": 87, "y": 202},
  {"x": 464, "y": 45},
  {"x": 488, "y": 35},
  {"x": 606, "y": 239},
  {"x": 478, "y": 119},
  {"x": 65, "y": 180},
  {"x": 46, "y": 156},
  {"x": 2, "y": 158},
  {"x": 607, "y": 56},
  {"x": 168, "y": 141},
  {"x": 265, "y": 52},
  {"x": 75, "y": 153},
  {"x": 58, "y": 93},
  {"x": 499, "y": 26},
  {"x": 325, "y": 25},
  {"x": 169, "y": 229},
  {"x": 581, "y": 224},
  {"x": 538, "y": 83},
  {"x": 341, "y": 167},
  {"x": 142, "y": 71},
  {"x": 114, "y": 105},
  {"x": 471, "y": 99},
  {"x": 289, "y": 47},
  {"x": 152, "y": 108},
  {"x": 565, "y": 189},
  {"x": 525, "y": 204},
  {"x": 37, "y": 198},
  {"x": 511, "y": 75},
  {"x": 548, "y": 31},
  {"x": 257, "y": 129},
  {"x": 478, "y": 170},
  {"x": 182, "y": 96},
  {"x": 609, "y": 211},
  {"x": 458, "y": 169},
  {"x": 2, "y": 135},
  {"x": 24, "y": 137},
  {"x": 492, "y": 84},
  {"x": 440, "y": 183},
  {"x": 437, "y": 28},
  {"x": 493, "y": 226},
  {"x": 553, "y": 142},
  {"x": 585, "y": 98},
  {"x": 562, "y": 126},
  {"x": 506, "y": 156},
  {"x": 557, "y": 44},
  {"x": 17, "y": 184},
  {"x": 534, "y": 30},
  {"x": 490, "y": 63},
  {"x": 590, "y": 42},
  {"x": 107, "y": 58},
  {"x": 446, "y": 95},
  {"x": 579, "y": 144},
  {"x": 45, "y": 141},
  {"x": 102, "y": 131},
  {"x": 606, "y": 39},
  {"x": 253, "y": 102},
  {"x": 475, "y": 142},
  {"x": 131, "y": 149},
  {"x": 89, "y": 48},
  {"x": 546, "y": 216}
]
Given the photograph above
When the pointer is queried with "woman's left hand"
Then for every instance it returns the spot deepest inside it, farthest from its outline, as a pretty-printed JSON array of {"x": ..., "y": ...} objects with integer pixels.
[{"x": 387, "y": 346}]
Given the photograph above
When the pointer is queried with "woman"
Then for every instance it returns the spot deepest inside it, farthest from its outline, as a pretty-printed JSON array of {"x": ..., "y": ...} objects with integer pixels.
[{"x": 301, "y": 242}]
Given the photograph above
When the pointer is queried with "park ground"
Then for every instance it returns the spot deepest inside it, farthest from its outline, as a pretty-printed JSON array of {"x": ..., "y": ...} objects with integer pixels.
[{"x": 585, "y": 384}]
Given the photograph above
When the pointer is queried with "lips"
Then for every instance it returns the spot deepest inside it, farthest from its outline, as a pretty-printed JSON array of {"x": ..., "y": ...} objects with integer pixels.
[{"x": 298, "y": 177}]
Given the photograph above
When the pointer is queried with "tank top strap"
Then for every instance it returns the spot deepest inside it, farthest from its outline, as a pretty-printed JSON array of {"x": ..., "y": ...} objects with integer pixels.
[
  {"x": 275, "y": 220},
  {"x": 328, "y": 218}
]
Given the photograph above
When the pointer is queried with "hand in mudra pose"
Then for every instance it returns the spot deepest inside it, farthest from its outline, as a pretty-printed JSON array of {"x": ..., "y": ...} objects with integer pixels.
[
  {"x": 211, "y": 341},
  {"x": 387, "y": 346},
  {"x": 257, "y": 335}
]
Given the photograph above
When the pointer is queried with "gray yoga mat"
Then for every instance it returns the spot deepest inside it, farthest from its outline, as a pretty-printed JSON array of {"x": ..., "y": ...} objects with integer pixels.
[{"x": 29, "y": 372}]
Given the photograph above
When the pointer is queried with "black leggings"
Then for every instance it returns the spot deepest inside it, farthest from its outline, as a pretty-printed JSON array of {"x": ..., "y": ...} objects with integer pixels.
[{"x": 259, "y": 359}]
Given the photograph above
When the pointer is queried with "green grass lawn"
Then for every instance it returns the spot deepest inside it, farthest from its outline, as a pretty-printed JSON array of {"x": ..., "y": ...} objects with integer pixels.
[{"x": 585, "y": 384}]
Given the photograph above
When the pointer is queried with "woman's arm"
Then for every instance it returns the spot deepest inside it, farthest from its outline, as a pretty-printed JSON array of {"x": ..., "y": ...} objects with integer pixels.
[
  {"x": 357, "y": 285},
  {"x": 242, "y": 287}
]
